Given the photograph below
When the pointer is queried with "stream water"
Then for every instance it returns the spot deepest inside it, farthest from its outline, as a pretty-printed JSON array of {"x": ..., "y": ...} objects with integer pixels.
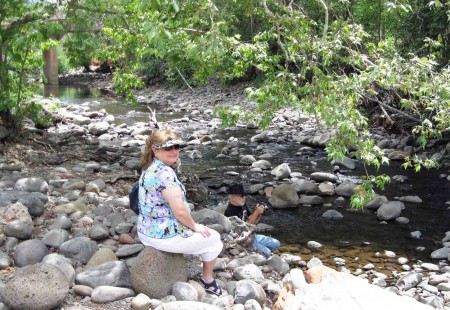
[{"x": 356, "y": 238}]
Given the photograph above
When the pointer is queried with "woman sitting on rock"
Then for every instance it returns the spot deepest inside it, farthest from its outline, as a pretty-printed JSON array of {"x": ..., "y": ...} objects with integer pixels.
[{"x": 164, "y": 220}]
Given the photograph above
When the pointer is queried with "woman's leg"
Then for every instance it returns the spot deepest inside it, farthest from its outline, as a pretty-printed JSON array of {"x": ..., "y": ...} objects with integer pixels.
[{"x": 208, "y": 267}]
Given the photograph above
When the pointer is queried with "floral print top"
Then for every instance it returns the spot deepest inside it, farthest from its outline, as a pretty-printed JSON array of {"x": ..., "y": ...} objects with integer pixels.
[{"x": 156, "y": 219}]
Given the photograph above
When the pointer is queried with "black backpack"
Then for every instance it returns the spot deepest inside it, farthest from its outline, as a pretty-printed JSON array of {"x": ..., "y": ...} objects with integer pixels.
[{"x": 134, "y": 198}]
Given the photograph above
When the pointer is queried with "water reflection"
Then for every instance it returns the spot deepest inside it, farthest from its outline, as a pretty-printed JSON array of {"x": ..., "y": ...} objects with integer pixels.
[
  {"x": 72, "y": 94},
  {"x": 97, "y": 99}
]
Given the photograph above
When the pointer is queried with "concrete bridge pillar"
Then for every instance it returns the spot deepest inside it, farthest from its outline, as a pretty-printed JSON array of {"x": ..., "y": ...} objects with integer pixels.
[{"x": 51, "y": 66}]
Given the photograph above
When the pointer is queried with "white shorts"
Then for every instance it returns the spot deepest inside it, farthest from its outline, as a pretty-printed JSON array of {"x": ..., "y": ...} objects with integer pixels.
[{"x": 208, "y": 248}]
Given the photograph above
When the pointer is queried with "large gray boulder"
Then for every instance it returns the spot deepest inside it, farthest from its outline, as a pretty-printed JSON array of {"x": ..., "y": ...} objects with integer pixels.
[
  {"x": 305, "y": 186},
  {"x": 346, "y": 188},
  {"x": 36, "y": 287},
  {"x": 210, "y": 217},
  {"x": 390, "y": 210},
  {"x": 282, "y": 171},
  {"x": 154, "y": 272},
  {"x": 31, "y": 185},
  {"x": 284, "y": 196},
  {"x": 79, "y": 248},
  {"x": 323, "y": 176},
  {"x": 29, "y": 252},
  {"x": 249, "y": 289},
  {"x": 35, "y": 201},
  {"x": 343, "y": 291},
  {"x": 115, "y": 273}
]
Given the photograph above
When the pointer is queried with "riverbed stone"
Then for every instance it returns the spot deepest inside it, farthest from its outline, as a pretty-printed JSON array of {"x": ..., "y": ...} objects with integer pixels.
[
  {"x": 96, "y": 186},
  {"x": 248, "y": 289},
  {"x": 305, "y": 186},
  {"x": 284, "y": 196},
  {"x": 209, "y": 217},
  {"x": 62, "y": 222},
  {"x": 13, "y": 212},
  {"x": 314, "y": 245},
  {"x": 184, "y": 291},
  {"x": 103, "y": 294},
  {"x": 332, "y": 215},
  {"x": 154, "y": 272},
  {"x": 344, "y": 289},
  {"x": 346, "y": 162},
  {"x": 29, "y": 252},
  {"x": 250, "y": 271},
  {"x": 278, "y": 264},
  {"x": 397, "y": 155},
  {"x": 310, "y": 200},
  {"x": 409, "y": 281},
  {"x": 36, "y": 287},
  {"x": 18, "y": 229},
  {"x": 98, "y": 232},
  {"x": 71, "y": 207},
  {"x": 281, "y": 171},
  {"x": 115, "y": 273},
  {"x": 186, "y": 305},
  {"x": 442, "y": 253},
  {"x": 346, "y": 188},
  {"x": 376, "y": 202},
  {"x": 412, "y": 199},
  {"x": 98, "y": 128},
  {"x": 63, "y": 263},
  {"x": 74, "y": 184},
  {"x": 129, "y": 250},
  {"x": 5, "y": 260},
  {"x": 262, "y": 164},
  {"x": 247, "y": 160},
  {"x": 55, "y": 237},
  {"x": 102, "y": 256},
  {"x": 9, "y": 199},
  {"x": 323, "y": 176},
  {"x": 326, "y": 189},
  {"x": 390, "y": 210},
  {"x": 31, "y": 184},
  {"x": 79, "y": 248}
]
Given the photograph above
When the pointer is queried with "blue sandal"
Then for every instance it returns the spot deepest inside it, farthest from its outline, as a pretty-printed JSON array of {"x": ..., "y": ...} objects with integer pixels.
[{"x": 212, "y": 287}]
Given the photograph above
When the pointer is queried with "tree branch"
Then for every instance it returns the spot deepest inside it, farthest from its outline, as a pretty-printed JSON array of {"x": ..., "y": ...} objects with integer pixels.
[
  {"x": 27, "y": 18},
  {"x": 325, "y": 27},
  {"x": 184, "y": 80},
  {"x": 381, "y": 104}
]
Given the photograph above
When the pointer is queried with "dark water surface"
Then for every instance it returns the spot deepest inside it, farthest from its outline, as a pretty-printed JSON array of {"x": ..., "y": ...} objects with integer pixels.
[{"x": 356, "y": 238}]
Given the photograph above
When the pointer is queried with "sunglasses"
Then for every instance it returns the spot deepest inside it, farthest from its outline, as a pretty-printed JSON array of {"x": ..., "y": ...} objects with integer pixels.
[{"x": 172, "y": 147}]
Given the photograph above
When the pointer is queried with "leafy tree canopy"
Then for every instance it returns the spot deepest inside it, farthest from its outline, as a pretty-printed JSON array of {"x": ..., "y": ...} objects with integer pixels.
[{"x": 335, "y": 59}]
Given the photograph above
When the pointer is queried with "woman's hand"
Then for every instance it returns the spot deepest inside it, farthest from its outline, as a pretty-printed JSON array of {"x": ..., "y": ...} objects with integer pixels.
[{"x": 202, "y": 229}]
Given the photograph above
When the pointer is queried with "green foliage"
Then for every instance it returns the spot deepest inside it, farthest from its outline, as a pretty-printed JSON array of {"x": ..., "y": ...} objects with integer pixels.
[
  {"x": 364, "y": 193},
  {"x": 35, "y": 112},
  {"x": 63, "y": 61},
  {"x": 417, "y": 163},
  {"x": 125, "y": 80},
  {"x": 23, "y": 35}
]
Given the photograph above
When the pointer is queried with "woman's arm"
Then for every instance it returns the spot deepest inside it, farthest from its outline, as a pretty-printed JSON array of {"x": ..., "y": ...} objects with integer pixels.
[{"x": 174, "y": 198}]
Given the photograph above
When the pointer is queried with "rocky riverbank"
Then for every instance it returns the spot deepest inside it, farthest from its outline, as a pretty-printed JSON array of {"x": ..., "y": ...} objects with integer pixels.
[{"x": 68, "y": 235}]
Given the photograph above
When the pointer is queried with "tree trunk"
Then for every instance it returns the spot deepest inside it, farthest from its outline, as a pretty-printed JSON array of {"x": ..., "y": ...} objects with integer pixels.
[{"x": 51, "y": 66}]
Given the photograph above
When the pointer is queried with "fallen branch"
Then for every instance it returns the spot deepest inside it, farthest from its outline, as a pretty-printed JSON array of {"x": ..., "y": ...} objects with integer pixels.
[
  {"x": 184, "y": 80},
  {"x": 152, "y": 118},
  {"x": 402, "y": 113},
  {"x": 121, "y": 177}
]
